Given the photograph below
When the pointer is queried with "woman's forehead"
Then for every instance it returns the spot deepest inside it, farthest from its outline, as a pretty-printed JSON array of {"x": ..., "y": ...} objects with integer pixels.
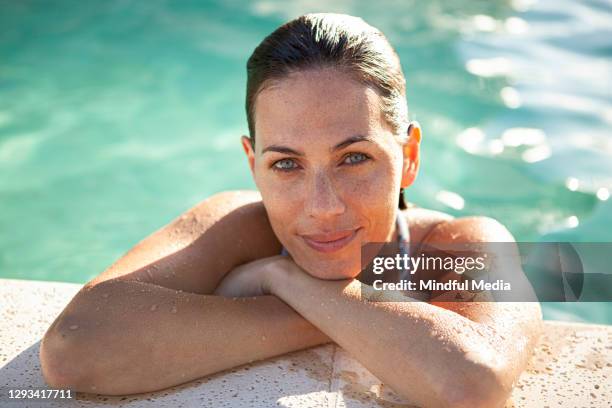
[{"x": 311, "y": 105}]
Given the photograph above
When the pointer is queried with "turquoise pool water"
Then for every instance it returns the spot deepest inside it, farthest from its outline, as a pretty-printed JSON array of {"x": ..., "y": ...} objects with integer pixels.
[{"x": 117, "y": 116}]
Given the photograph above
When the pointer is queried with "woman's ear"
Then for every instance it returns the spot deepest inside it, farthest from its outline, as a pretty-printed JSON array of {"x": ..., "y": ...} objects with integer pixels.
[
  {"x": 250, "y": 152},
  {"x": 411, "y": 154}
]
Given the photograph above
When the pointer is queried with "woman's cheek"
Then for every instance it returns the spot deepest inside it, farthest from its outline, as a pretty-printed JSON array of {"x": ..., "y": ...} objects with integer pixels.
[
  {"x": 282, "y": 200},
  {"x": 370, "y": 189}
]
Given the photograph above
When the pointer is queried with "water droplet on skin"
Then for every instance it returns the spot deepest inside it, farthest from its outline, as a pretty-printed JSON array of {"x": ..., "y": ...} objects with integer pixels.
[
  {"x": 74, "y": 327},
  {"x": 153, "y": 308},
  {"x": 263, "y": 337}
]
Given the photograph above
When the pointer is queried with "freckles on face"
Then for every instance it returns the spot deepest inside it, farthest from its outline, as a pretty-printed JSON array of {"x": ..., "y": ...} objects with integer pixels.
[{"x": 325, "y": 164}]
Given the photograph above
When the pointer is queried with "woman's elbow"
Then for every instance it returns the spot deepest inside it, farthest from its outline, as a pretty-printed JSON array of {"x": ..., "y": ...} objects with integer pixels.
[
  {"x": 484, "y": 386},
  {"x": 61, "y": 361}
]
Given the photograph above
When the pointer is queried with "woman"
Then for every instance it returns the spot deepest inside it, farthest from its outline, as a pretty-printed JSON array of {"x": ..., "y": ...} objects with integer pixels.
[{"x": 331, "y": 150}]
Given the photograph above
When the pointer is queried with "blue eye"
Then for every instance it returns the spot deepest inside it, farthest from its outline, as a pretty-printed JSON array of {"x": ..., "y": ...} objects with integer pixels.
[
  {"x": 285, "y": 165},
  {"x": 355, "y": 158}
]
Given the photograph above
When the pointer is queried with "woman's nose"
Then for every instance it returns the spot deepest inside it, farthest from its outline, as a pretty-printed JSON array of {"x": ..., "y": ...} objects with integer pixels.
[{"x": 323, "y": 200}]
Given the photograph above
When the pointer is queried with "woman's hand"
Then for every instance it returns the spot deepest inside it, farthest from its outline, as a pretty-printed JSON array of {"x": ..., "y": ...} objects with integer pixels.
[{"x": 255, "y": 278}]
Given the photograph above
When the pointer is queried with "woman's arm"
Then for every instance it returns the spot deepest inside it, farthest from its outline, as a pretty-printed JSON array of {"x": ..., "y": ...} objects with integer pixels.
[
  {"x": 126, "y": 337},
  {"x": 469, "y": 356},
  {"x": 131, "y": 341}
]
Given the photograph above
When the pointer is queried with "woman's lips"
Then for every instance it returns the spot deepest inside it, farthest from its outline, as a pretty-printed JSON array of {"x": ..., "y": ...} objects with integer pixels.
[{"x": 330, "y": 242}]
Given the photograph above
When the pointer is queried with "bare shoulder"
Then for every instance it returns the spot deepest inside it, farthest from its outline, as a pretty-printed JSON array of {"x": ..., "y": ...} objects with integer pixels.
[
  {"x": 238, "y": 217},
  {"x": 236, "y": 206},
  {"x": 195, "y": 250},
  {"x": 421, "y": 221},
  {"x": 523, "y": 318},
  {"x": 470, "y": 229}
]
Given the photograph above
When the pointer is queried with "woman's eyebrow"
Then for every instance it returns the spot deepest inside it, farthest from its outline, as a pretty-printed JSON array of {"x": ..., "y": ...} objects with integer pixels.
[
  {"x": 344, "y": 143},
  {"x": 351, "y": 140},
  {"x": 282, "y": 149}
]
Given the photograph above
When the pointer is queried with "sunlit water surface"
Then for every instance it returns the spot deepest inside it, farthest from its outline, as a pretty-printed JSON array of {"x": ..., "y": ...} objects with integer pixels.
[{"x": 117, "y": 116}]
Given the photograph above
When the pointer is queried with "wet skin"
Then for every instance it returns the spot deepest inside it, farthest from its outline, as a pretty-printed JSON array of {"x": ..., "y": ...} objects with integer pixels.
[{"x": 228, "y": 246}]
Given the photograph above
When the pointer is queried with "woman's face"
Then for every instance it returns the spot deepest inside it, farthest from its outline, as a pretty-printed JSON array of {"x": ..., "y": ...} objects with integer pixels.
[{"x": 328, "y": 168}]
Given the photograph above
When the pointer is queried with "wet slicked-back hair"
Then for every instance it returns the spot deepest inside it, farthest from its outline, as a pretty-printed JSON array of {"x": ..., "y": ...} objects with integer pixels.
[{"x": 326, "y": 40}]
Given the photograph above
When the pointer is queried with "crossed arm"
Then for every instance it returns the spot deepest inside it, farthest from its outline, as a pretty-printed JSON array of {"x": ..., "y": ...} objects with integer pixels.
[
  {"x": 136, "y": 337},
  {"x": 434, "y": 354},
  {"x": 431, "y": 355},
  {"x": 428, "y": 354},
  {"x": 438, "y": 354}
]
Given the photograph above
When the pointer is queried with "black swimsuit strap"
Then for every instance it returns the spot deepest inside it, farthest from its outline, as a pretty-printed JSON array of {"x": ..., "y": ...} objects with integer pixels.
[{"x": 403, "y": 235}]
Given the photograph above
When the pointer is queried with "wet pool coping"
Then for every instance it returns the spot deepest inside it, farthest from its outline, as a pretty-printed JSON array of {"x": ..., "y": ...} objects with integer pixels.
[{"x": 571, "y": 367}]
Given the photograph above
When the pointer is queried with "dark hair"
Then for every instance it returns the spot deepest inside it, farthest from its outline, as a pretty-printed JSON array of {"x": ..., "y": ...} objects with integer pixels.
[{"x": 331, "y": 40}]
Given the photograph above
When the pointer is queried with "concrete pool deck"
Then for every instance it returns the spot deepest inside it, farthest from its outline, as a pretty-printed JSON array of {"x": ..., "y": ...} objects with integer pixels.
[{"x": 571, "y": 367}]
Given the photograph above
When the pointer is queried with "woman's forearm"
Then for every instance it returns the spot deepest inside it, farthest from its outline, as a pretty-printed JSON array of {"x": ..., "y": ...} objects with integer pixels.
[
  {"x": 424, "y": 352},
  {"x": 127, "y": 337}
]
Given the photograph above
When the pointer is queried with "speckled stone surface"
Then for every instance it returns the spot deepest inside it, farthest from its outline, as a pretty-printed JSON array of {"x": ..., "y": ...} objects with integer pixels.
[{"x": 571, "y": 367}]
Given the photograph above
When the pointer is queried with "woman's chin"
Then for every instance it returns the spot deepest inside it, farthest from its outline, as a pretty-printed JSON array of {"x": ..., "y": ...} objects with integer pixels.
[{"x": 332, "y": 270}]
